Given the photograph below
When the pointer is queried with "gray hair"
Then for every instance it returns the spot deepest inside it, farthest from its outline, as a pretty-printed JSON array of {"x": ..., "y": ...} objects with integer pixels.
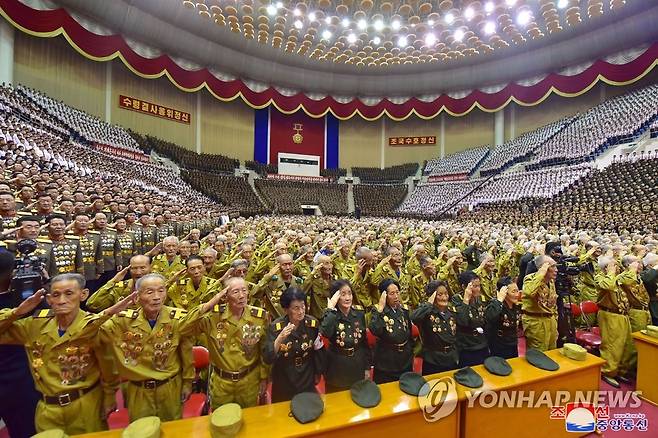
[
  {"x": 627, "y": 260},
  {"x": 170, "y": 239},
  {"x": 424, "y": 261},
  {"x": 650, "y": 259},
  {"x": 454, "y": 252},
  {"x": 541, "y": 259},
  {"x": 70, "y": 276},
  {"x": 152, "y": 276},
  {"x": 239, "y": 262},
  {"x": 484, "y": 256},
  {"x": 210, "y": 251},
  {"x": 362, "y": 252},
  {"x": 604, "y": 261}
]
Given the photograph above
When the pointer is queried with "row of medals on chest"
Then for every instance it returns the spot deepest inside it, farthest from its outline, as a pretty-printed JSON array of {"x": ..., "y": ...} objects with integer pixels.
[
  {"x": 74, "y": 362},
  {"x": 132, "y": 346}
]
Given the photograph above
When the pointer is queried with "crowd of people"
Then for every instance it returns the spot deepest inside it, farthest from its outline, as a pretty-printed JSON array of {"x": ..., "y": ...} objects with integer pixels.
[
  {"x": 379, "y": 200},
  {"x": 387, "y": 175},
  {"x": 287, "y": 197},
  {"x": 464, "y": 162}
]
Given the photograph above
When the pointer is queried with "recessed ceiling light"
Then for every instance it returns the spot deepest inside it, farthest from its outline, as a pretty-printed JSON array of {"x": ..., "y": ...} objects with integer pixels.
[
  {"x": 469, "y": 13},
  {"x": 430, "y": 22},
  {"x": 378, "y": 25},
  {"x": 279, "y": 4},
  {"x": 449, "y": 18},
  {"x": 489, "y": 7},
  {"x": 351, "y": 38},
  {"x": 362, "y": 24},
  {"x": 346, "y": 22},
  {"x": 562, "y": 4},
  {"x": 271, "y": 9},
  {"x": 524, "y": 17},
  {"x": 459, "y": 35},
  {"x": 296, "y": 12},
  {"x": 489, "y": 27},
  {"x": 430, "y": 39},
  {"x": 326, "y": 34},
  {"x": 402, "y": 41},
  {"x": 327, "y": 20},
  {"x": 376, "y": 40},
  {"x": 299, "y": 24},
  {"x": 311, "y": 16},
  {"x": 510, "y": 2},
  {"x": 395, "y": 24}
]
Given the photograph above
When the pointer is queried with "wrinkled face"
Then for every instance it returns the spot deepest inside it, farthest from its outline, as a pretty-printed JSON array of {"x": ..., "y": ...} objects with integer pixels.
[
  {"x": 327, "y": 267},
  {"x": 7, "y": 202},
  {"x": 489, "y": 264},
  {"x": 194, "y": 247},
  {"x": 170, "y": 247},
  {"x": 152, "y": 295},
  {"x": 30, "y": 229},
  {"x": 240, "y": 271},
  {"x": 195, "y": 234},
  {"x": 212, "y": 238},
  {"x": 121, "y": 225},
  {"x": 420, "y": 253},
  {"x": 345, "y": 297},
  {"x": 368, "y": 259},
  {"x": 475, "y": 287},
  {"x": 393, "y": 296},
  {"x": 237, "y": 294},
  {"x": 219, "y": 246},
  {"x": 65, "y": 296},
  {"x": 551, "y": 274},
  {"x": 513, "y": 293},
  {"x": 139, "y": 267},
  {"x": 101, "y": 221},
  {"x": 396, "y": 257},
  {"x": 285, "y": 265},
  {"x": 442, "y": 297},
  {"x": 209, "y": 259},
  {"x": 82, "y": 223},
  {"x": 66, "y": 207},
  {"x": 430, "y": 269},
  {"x": 56, "y": 227},
  {"x": 247, "y": 252},
  {"x": 185, "y": 249},
  {"x": 296, "y": 311}
]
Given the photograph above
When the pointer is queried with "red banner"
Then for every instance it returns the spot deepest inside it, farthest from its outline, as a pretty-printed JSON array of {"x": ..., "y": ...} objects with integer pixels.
[
  {"x": 296, "y": 133},
  {"x": 427, "y": 140},
  {"x": 120, "y": 152},
  {"x": 153, "y": 109},
  {"x": 456, "y": 177},
  {"x": 318, "y": 179}
]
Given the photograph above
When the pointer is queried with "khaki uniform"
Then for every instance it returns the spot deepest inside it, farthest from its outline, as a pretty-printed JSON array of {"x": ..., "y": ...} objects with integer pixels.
[
  {"x": 487, "y": 283},
  {"x": 638, "y": 312},
  {"x": 67, "y": 256},
  {"x": 268, "y": 293},
  {"x": 167, "y": 269},
  {"x": 155, "y": 363},
  {"x": 317, "y": 288},
  {"x": 303, "y": 269},
  {"x": 344, "y": 267},
  {"x": 450, "y": 276},
  {"x": 70, "y": 371},
  {"x": 183, "y": 294},
  {"x": 539, "y": 312},
  {"x": 149, "y": 236},
  {"x": 235, "y": 346},
  {"x": 417, "y": 289},
  {"x": 365, "y": 292},
  {"x": 110, "y": 294},
  {"x": 616, "y": 342}
]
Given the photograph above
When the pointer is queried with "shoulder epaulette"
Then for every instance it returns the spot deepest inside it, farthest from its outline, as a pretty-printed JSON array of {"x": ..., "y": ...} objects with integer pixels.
[
  {"x": 2, "y": 244},
  {"x": 258, "y": 312},
  {"x": 311, "y": 321},
  {"x": 357, "y": 307},
  {"x": 71, "y": 236},
  {"x": 177, "y": 313},
  {"x": 300, "y": 280},
  {"x": 43, "y": 313},
  {"x": 112, "y": 229},
  {"x": 10, "y": 241},
  {"x": 94, "y": 232},
  {"x": 23, "y": 213},
  {"x": 182, "y": 281},
  {"x": 219, "y": 308},
  {"x": 129, "y": 313},
  {"x": 405, "y": 307}
]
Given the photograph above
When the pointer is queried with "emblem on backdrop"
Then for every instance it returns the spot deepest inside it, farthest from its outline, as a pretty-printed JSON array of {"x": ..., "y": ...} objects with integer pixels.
[{"x": 297, "y": 137}]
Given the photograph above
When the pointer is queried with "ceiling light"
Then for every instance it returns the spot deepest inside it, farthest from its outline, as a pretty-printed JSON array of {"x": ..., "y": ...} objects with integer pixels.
[
  {"x": 327, "y": 20},
  {"x": 430, "y": 22},
  {"x": 510, "y": 2},
  {"x": 299, "y": 24},
  {"x": 362, "y": 24},
  {"x": 326, "y": 35},
  {"x": 279, "y": 4},
  {"x": 346, "y": 22},
  {"x": 489, "y": 7},
  {"x": 376, "y": 40},
  {"x": 459, "y": 35},
  {"x": 469, "y": 13},
  {"x": 378, "y": 25},
  {"x": 489, "y": 27},
  {"x": 296, "y": 12},
  {"x": 562, "y": 4},
  {"x": 311, "y": 16},
  {"x": 430, "y": 39},
  {"x": 395, "y": 24},
  {"x": 523, "y": 18},
  {"x": 271, "y": 9},
  {"x": 351, "y": 38},
  {"x": 402, "y": 41},
  {"x": 449, "y": 18}
]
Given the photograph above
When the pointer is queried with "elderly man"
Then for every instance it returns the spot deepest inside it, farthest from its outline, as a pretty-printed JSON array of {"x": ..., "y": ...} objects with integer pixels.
[
  {"x": 235, "y": 333},
  {"x": 342, "y": 259},
  {"x": 485, "y": 271},
  {"x": 213, "y": 269},
  {"x": 274, "y": 283},
  {"x": 169, "y": 263},
  {"x": 66, "y": 360},
  {"x": 418, "y": 282},
  {"x": 539, "y": 305},
  {"x": 90, "y": 245},
  {"x": 110, "y": 247},
  {"x": 390, "y": 267},
  {"x": 191, "y": 290},
  {"x": 650, "y": 280},
  {"x": 152, "y": 354},
  {"x": 118, "y": 288},
  {"x": 365, "y": 292},
  {"x": 318, "y": 284},
  {"x": 638, "y": 298},
  {"x": 413, "y": 267}
]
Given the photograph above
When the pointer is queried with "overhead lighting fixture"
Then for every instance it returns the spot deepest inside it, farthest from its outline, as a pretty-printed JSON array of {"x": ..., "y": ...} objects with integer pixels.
[
  {"x": 402, "y": 42},
  {"x": 351, "y": 38},
  {"x": 430, "y": 39},
  {"x": 299, "y": 24},
  {"x": 279, "y": 4},
  {"x": 562, "y": 4},
  {"x": 378, "y": 25},
  {"x": 510, "y": 3},
  {"x": 469, "y": 13},
  {"x": 430, "y": 22},
  {"x": 311, "y": 16},
  {"x": 449, "y": 18},
  {"x": 395, "y": 24},
  {"x": 362, "y": 24},
  {"x": 489, "y": 27},
  {"x": 489, "y": 7},
  {"x": 296, "y": 12},
  {"x": 459, "y": 35},
  {"x": 326, "y": 35},
  {"x": 346, "y": 22},
  {"x": 271, "y": 9},
  {"x": 376, "y": 40},
  {"x": 523, "y": 18},
  {"x": 327, "y": 20}
]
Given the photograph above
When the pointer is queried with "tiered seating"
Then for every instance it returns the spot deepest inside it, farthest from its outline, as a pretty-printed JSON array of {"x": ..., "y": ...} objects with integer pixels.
[
  {"x": 387, "y": 175},
  {"x": 261, "y": 169},
  {"x": 88, "y": 127},
  {"x": 188, "y": 159},
  {"x": 463, "y": 162},
  {"x": 228, "y": 190},
  {"x": 431, "y": 199},
  {"x": 596, "y": 129},
  {"x": 333, "y": 173},
  {"x": 378, "y": 200},
  {"x": 288, "y": 196},
  {"x": 654, "y": 128},
  {"x": 521, "y": 148}
]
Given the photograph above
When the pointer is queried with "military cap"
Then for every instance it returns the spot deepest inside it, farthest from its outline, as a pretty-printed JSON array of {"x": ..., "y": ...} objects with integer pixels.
[
  {"x": 468, "y": 377},
  {"x": 226, "y": 421},
  {"x": 573, "y": 351},
  {"x": 540, "y": 360},
  {"x": 498, "y": 366},
  {"x": 652, "y": 330},
  {"x": 51, "y": 433},
  {"x": 306, "y": 407},
  {"x": 366, "y": 393},
  {"x": 147, "y": 427},
  {"x": 412, "y": 383}
]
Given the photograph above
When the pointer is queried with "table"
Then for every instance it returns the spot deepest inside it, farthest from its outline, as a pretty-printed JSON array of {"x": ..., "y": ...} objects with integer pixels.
[
  {"x": 647, "y": 366},
  {"x": 400, "y": 414}
]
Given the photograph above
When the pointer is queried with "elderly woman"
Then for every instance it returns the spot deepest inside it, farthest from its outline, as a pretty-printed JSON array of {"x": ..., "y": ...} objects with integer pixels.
[
  {"x": 469, "y": 308},
  {"x": 503, "y": 316},
  {"x": 437, "y": 326},
  {"x": 293, "y": 348},
  {"x": 344, "y": 324},
  {"x": 391, "y": 324}
]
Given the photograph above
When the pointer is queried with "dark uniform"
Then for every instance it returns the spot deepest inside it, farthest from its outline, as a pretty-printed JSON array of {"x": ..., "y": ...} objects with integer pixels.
[
  {"x": 67, "y": 255},
  {"x": 394, "y": 351},
  {"x": 502, "y": 327},
  {"x": 348, "y": 356},
  {"x": 296, "y": 364},
  {"x": 128, "y": 245},
  {"x": 438, "y": 335},
  {"x": 149, "y": 236},
  {"x": 92, "y": 255},
  {"x": 471, "y": 342},
  {"x": 111, "y": 252}
]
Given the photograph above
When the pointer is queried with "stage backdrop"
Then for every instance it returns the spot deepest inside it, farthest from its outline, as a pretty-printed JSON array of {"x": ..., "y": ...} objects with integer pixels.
[{"x": 275, "y": 132}]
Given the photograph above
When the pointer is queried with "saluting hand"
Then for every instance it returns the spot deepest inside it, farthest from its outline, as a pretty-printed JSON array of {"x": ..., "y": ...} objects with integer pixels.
[
  {"x": 30, "y": 303},
  {"x": 382, "y": 302},
  {"x": 331, "y": 302},
  {"x": 122, "y": 305},
  {"x": 502, "y": 294},
  {"x": 468, "y": 293},
  {"x": 432, "y": 298}
]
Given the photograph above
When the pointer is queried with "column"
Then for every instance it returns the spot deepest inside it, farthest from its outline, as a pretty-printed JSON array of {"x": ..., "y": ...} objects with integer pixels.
[
  {"x": 512, "y": 121},
  {"x": 382, "y": 146},
  {"x": 198, "y": 122},
  {"x": 499, "y": 127},
  {"x": 442, "y": 135},
  {"x": 108, "y": 91},
  {"x": 6, "y": 52}
]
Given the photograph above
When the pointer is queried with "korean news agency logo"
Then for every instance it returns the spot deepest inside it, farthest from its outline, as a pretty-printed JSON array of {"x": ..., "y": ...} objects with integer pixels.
[
  {"x": 587, "y": 417},
  {"x": 438, "y": 398}
]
